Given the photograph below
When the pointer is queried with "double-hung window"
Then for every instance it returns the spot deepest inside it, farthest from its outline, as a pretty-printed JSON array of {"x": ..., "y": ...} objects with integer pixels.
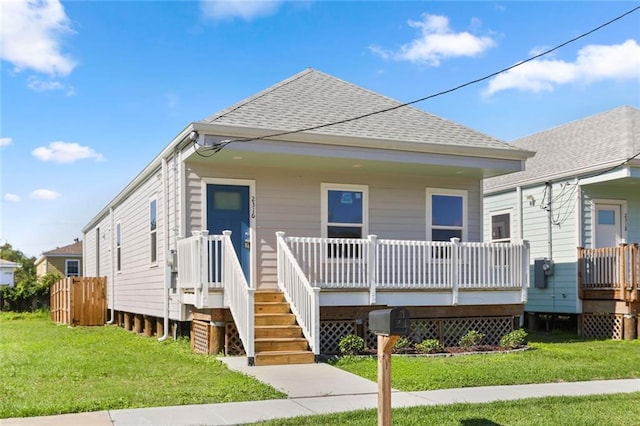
[
  {"x": 344, "y": 212},
  {"x": 72, "y": 268},
  {"x": 153, "y": 231},
  {"x": 501, "y": 226},
  {"x": 446, "y": 214}
]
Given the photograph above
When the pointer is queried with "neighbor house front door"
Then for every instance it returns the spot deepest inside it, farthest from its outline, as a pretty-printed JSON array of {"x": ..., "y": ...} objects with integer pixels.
[{"x": 608, "y": 225}]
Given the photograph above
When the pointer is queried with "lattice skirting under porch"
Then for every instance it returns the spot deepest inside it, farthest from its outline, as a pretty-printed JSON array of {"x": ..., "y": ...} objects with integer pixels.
[
  {"x": 232, "y": 343},
  {"x": 602, "y": 326},
  {"x": 448, "y": 331}
]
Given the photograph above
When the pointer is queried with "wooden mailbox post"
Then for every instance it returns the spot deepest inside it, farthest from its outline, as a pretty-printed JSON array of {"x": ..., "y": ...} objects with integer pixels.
[{"x": 388, "y": 324}]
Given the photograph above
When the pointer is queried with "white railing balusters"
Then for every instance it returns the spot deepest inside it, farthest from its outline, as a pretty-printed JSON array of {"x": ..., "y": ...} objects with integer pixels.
[
  {"x": 238, "y": 296},
  {"x": 303, "y": 299}
]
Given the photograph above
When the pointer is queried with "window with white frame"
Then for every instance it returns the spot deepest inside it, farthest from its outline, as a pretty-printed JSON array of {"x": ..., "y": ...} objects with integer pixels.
[
  {"x": 446, "y": 214},
  {"x": 118, "y": 248},
  {"x": 344, "y": 215},
  {"x": 344, "y": 211},
  {"x": 72, "y": 268},
  {"x": 501, "y": 226},
  {"x": 153, "y": 230}
]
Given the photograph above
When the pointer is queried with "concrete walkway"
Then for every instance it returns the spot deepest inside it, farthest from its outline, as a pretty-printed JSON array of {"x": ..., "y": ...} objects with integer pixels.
[{"x": 315, "y": 389}]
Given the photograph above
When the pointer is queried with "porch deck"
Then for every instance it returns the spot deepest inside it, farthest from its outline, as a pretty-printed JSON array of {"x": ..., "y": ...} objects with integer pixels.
[{"x": 322, "y": 272}]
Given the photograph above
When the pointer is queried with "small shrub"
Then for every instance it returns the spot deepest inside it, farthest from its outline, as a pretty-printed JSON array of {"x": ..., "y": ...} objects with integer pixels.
[
  {"x": 515, "y": 339},
  {"x": 351, "y": 345},
  {"x": 402, "y": 345},
  {"x": 472, "y": 338},
  {"x": 429, "y": 346}
]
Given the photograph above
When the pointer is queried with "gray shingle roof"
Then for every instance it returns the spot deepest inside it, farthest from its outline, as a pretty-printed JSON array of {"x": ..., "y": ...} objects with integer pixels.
[
  {"x": 311, "y": 98},
  {"x": 571, "y": 149},
  {"x": 74, "y": 249}
]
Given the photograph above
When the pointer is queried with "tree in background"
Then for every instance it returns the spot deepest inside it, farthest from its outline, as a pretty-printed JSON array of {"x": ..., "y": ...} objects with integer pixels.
[{"x": 28, "y": 293}]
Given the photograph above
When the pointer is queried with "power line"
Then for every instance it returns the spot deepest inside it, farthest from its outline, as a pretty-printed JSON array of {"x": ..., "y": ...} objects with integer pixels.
[{"x": 219, "y": 146}]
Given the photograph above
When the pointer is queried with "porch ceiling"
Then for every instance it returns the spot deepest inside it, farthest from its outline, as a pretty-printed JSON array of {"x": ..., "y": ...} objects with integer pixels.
[{"x": 366, "y": 161}]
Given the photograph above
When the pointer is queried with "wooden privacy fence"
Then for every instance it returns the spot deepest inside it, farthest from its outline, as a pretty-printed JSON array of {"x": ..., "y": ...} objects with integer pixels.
[{"x": 79, "y": 301}]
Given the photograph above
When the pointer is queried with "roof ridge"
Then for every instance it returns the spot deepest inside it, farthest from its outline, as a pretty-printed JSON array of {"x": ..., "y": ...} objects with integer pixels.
[{"x": 262, "y": 93}]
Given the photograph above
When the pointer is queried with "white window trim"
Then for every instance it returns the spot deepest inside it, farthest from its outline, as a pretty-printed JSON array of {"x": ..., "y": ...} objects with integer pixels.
[
  {"x": 153, "y": 263},
  {"x": 443, "y": 191},
  {"x": 117, "y": 246},
  {"x": 324, "y": 205},
  {"x": 498, "y": 213},
  {"x": 66, "y": 267}
]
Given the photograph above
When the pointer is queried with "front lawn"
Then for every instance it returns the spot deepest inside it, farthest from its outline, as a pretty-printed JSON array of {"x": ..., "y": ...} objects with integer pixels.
[
  {"x": 554, "y": 357},
  {"x": 51, "y": 369}
]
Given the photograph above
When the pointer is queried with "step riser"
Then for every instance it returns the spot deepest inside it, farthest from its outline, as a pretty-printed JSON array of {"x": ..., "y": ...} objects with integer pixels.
[
  {"x": 281, "y": 346},
  {"x": 260, "y": 296},
  {"x": 274, "y": 333},
  {"x": 276, "y": 320},
  {"x": 267, "y": 359},
  {"x": 272, "y": 309}
]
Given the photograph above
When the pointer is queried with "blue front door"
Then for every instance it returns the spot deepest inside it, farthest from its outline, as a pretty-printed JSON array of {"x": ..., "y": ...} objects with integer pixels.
[{"x": 228, "y": 210}]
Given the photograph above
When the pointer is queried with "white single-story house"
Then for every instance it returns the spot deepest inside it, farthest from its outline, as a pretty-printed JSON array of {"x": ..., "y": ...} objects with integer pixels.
[
  {"x": 281, "y": 221},
  {"x": 7, "y": 270},
  {"x": 578, "y": 204}
]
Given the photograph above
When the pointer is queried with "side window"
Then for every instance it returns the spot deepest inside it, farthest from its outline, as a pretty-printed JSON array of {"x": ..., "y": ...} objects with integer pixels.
[
  {"x": 118, "y": 248},
  {"x": 501, "y": 226},
  {"x": 153, "y": 230},
  {"x": 344, "y": 212},
  {"x": 72, "y": 268},
  {"x": 446, "y": 214}
]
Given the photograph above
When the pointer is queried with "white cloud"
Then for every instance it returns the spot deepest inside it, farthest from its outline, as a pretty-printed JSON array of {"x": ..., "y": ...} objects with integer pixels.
[
  {"x": 6, "y": 141},
  {"x": 38, "y": 85},
  {"x": 437, "y": 41},
  {"x": 244, "y": 9},
  {"x": 30, "y": 36},
  {"x": 593, "y": 63},
  {"x": 44, "y": 194},
  {"x": 66, "y": 152},
  {"x": 12, "y": 198}
]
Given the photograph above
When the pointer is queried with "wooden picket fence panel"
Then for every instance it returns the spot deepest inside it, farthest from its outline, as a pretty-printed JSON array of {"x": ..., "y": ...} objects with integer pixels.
[{"x": 79, "y": 301}]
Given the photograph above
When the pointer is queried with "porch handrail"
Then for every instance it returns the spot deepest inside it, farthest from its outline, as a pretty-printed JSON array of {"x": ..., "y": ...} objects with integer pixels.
[
  {"x": 238, "y": 296},
  {"x": 303, "y": 298},
  {"x": 378, "y": 264}
]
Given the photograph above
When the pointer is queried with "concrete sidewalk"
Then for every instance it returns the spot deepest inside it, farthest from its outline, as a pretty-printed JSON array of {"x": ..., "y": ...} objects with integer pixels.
[{"x": 315, "y": 389}]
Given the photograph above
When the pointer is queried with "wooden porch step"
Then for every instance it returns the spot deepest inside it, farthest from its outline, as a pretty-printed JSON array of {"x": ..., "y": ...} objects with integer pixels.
[
  {"x": 284, "y": 357},
  {"x": 281, "y": 344},
  {"x": 272, "y": 307},
  {"x": 275, "y": 319},
  {"x": 277, "y": 331},
  {"x": 268, "y": 296}
]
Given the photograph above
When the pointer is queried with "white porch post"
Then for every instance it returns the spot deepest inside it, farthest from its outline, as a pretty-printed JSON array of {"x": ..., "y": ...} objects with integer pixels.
[
  {"x": 279, "y": 272},
  {"x": 316, "y": 321},
  {"x": 203, "y": 280},
  {"x": 525, "y": 270},
  {"x": 372, "y": 267},
  {"x": 455, "y": 270}
]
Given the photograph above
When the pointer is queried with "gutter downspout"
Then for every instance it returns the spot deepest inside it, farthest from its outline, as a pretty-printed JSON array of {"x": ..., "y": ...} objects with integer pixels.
[
  {"x": 113, "y": 283},
  {"x": 167, "y": 267}
]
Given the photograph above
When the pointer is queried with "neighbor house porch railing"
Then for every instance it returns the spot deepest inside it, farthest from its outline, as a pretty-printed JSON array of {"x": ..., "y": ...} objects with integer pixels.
[
  {"x": 207, "y": 262},
  {"x": 372, "y": 264},
  {"x": 609, "y": 272}
]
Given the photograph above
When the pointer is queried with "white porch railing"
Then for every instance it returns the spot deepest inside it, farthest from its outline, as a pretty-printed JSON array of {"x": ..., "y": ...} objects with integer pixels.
[
  {"x": 238, "y": 296},
  {"x": 303, "y": 299},
  {"x": 411, "y": 265},
  {"x": 209, "y": 262}
]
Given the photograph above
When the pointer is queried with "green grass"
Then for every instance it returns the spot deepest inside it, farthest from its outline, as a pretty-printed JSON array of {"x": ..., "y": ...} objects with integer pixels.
[
  {"x": 601, "y": 410},
  {"x": 51, "y": 369},
  {"x": 552, "y": 358}
]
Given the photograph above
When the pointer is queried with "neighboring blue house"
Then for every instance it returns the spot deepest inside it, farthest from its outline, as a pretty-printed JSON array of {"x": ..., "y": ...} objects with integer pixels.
[{"x": 580, "y": 190}]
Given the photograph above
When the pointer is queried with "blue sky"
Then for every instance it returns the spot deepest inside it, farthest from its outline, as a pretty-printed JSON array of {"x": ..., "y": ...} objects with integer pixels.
[{"x": 92, "y": 91}]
